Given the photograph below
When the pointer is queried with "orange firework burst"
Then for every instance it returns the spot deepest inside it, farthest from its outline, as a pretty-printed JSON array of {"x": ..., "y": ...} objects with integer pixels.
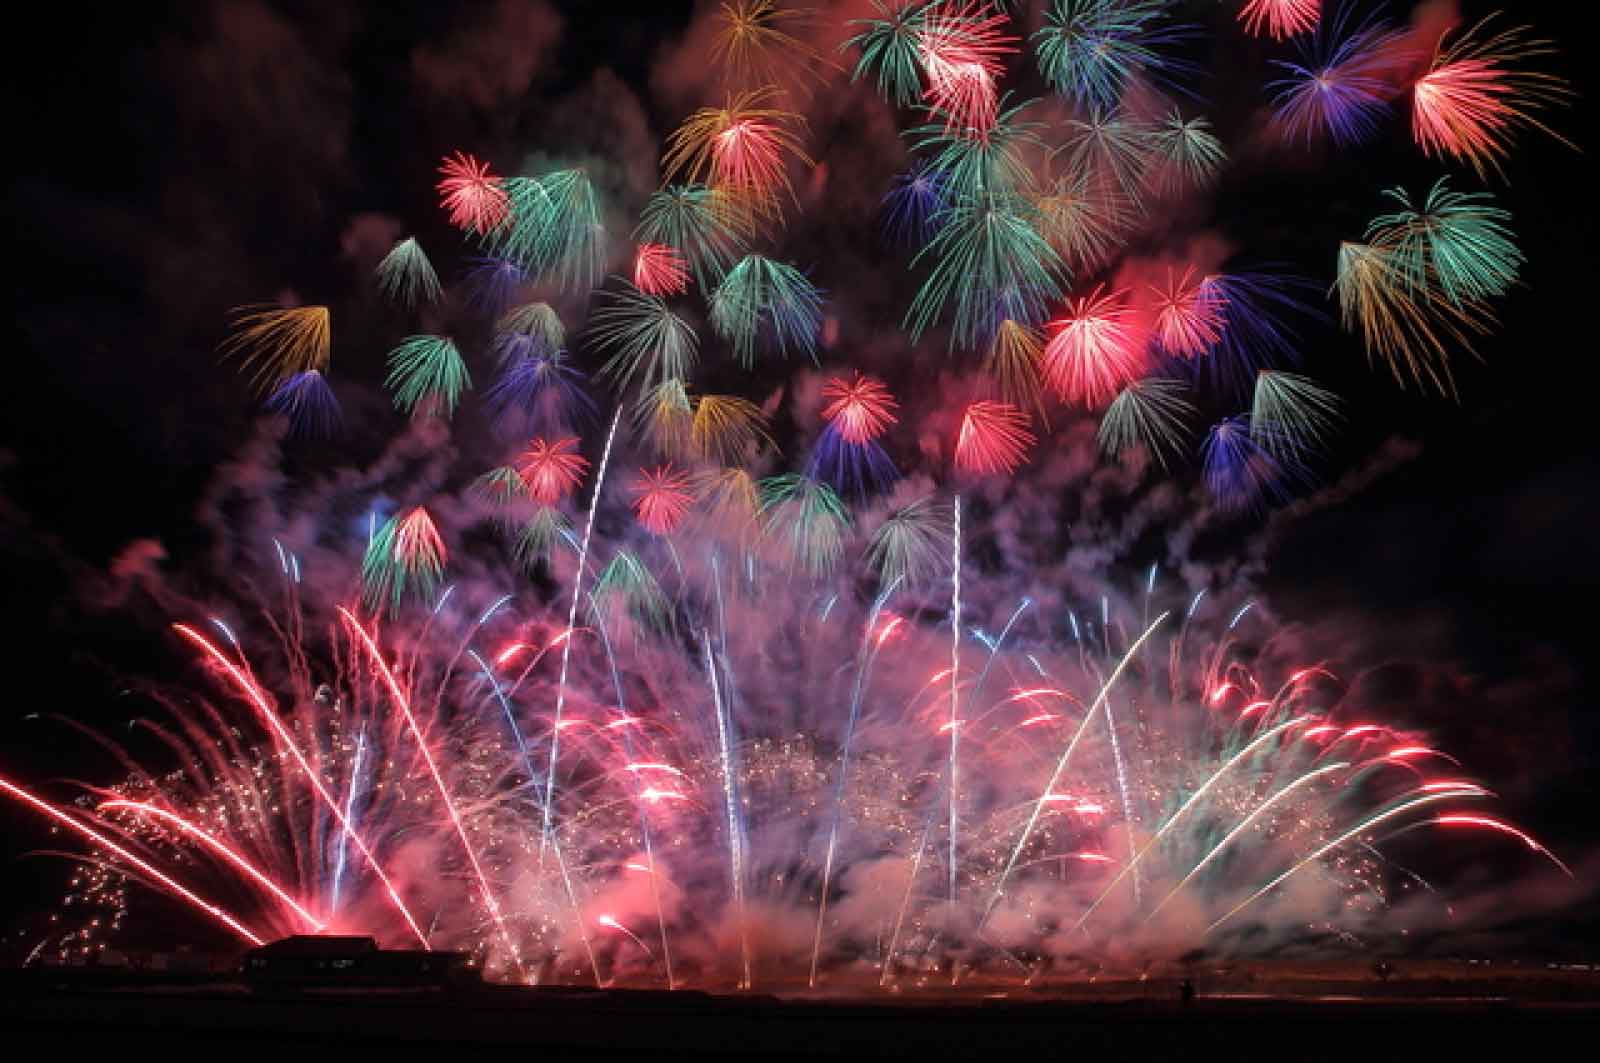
[
  {"x": 280, "y": 342},
  {"x": 742, "y": 148}
]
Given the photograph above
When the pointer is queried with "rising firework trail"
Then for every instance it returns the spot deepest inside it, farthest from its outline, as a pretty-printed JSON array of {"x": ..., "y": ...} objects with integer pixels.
[{"x": 572, "y": 621}]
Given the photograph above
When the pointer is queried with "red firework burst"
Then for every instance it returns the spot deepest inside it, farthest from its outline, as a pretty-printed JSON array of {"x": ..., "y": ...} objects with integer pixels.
[
  {"x": 1189, "y": 315},
  {"x": 963, "y": 53},
  {"x": 1280, "y": 18},
  {"x": 994, "y": 438},
  {"x": 472, "y": 194},
  {"x": 660, "y": 270},
  {"x": 417, "y": 541},
  {"x": 1093, "y": 351},
  {"x": 664, "y": 499},
  {"x": 861, "y": 409},
  {"x": 551, "y": 469}
]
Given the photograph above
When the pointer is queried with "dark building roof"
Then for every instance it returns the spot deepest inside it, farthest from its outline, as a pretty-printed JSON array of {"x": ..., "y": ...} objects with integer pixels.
[{"x": 318, "y": 945}]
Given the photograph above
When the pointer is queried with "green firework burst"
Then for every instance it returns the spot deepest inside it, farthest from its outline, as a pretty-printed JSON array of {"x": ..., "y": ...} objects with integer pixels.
[
  {"x": 808, "y": 518},
  {"x": 1153, "y": 413},
  {"x": 424, "y": 367},
  {"x": 647, "y": 341},
  {"x": 912, "y": 543},
  {"x": 761, "y": 299},
  {"x": 406, "y": 276},
  {"x": 702, "y": 224}
]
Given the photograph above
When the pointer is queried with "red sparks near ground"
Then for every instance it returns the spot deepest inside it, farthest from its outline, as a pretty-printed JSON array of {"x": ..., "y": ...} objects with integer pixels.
[
  {"x": 473, "y": 195},
  {"x": 223, "y": 850},
  {"x": 551, "y": 469},
  {"x": 264, "y": 708},
  {"x": 133, "y": 861},
  {"x": 401, "y": 702},
  {"x": 860, "y": 409}
]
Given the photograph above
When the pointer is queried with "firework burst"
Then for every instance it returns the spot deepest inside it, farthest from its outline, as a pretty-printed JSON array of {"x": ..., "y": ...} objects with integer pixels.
[
  {"x": 994, "y": 437},
  {"x": 1477, "y": 94}
]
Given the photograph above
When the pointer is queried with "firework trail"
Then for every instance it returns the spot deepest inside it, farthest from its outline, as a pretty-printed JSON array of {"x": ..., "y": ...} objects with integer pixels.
[
  {"x": 955, "y": 686},
  {"x": 567, "y": 638},
  {"x": 871, "y": 642},
  {"x": 403, "y": 704},
  {"x": 143, "y": 867}
]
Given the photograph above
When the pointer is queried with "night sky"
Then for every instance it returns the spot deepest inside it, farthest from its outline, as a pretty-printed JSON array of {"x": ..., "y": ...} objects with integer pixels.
[{"x": 174, "y": 161}]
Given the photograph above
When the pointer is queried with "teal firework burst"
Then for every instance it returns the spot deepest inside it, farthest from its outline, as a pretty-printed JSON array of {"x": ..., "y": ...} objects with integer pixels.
[
  {"x": 912, "y": 543},
  {"x": 1112, "y": 149},
  {"x": 1292, "y": 415},
  {"x": 1458, "y": 239},
  {"x": 539, "y": 537},
  {"x": 627, "y": 585},
  {"x": 1153, "y": 413},
  {"x": 701, "y": 223},
  {"x": 646, "y": 340},
  {"x": 808, "y": 518},
  {"x": 405, "y": 556},
  {"x": 1090, "y": 51},
  {"x": 763, "y": 302},
  {"x": 501, "y": 486},
  {"x": 406, "y": 276},
  {"x": 990, "y": 263},
  {"x": 972, "y": 166},
  {"x": 554, "y": 228},
  {"x": 891, "y": 48},
  {"x": 427, "y": 367},
  {"x": 1187, "y": 154}
]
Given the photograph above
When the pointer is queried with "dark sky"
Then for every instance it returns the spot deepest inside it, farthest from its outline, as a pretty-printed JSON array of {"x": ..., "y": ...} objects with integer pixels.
[{"x": 171, "y": 162}]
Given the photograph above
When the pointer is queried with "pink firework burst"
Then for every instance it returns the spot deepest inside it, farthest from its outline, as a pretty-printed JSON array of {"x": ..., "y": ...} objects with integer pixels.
[
  {"x": 994, "y": 438},
  {"x": 1189, "y": 315},
  {"x": 860, "y": 409},
  {"x": 963, "y": 49},
  {"x": 472, "y": 194},
  {"x": 664, "y": 498},
  {"x": 1093, "y": 351},
  {"x": 1476, "y": 94},
  {"x": 1280, "y": 18},
  {"x": 748, "y": 155},
  {"x": 660, "y": 270},
  {"x": 551, "y": 469}
]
